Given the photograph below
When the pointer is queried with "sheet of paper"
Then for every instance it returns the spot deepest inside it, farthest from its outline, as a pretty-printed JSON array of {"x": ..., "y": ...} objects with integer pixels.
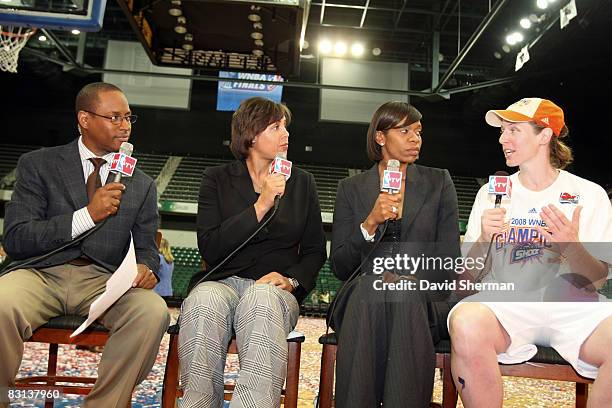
[{"x": 119, "y": 283}]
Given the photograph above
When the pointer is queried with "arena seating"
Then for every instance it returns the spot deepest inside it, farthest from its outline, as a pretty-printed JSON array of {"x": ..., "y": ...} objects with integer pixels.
[
  {"x": 327, "y": 179},
  {"x": 150, "y": 163},
  {"x": 185, "y": 182},
  {"x": 9, "y": 154}
]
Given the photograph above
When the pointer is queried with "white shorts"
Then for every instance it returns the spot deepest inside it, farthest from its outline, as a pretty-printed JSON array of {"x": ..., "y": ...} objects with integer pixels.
[{"x": 563, "y": 326}]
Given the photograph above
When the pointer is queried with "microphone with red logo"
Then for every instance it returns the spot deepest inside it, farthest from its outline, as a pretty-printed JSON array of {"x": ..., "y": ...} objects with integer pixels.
[
  {"x": 500, "y": 185},
  {"x": 392, "y": 177},
  {"x": 392, "y": 184},
  {"x": 280, "y": 165},
  {"x": 123, "y": 164}
]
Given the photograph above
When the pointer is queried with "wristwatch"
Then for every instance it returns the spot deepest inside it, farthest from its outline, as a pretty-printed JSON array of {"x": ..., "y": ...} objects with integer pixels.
[{"x": 294, "y": 282}]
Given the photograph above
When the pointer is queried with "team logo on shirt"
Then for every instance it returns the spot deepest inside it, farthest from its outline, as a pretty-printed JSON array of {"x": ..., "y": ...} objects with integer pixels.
[
  {"x": 533, "y": 211},
  {"x": 523, "y": 252},
  {"x": 567, "y": 198}
]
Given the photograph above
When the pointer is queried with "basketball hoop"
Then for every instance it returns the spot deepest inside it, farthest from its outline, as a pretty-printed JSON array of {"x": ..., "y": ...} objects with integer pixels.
[{"x": 12, "y": 40}]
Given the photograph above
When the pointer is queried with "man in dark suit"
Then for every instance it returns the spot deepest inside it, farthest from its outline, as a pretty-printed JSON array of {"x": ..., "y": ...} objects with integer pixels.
[{"x": 60, "y": 193}]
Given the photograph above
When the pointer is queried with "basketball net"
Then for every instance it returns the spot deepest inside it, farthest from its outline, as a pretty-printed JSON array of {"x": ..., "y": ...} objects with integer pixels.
[{"x": 12, "y": 40}]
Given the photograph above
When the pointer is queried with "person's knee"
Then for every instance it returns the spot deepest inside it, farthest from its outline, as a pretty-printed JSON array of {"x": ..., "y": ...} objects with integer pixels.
[
  {"x": 211, "y": 295},
  {"x": 152, "y": 312},
  {"x": 261, "y": 300},
  {"x": 470, "y": 325},
  {"x": 595, "y": 350}
]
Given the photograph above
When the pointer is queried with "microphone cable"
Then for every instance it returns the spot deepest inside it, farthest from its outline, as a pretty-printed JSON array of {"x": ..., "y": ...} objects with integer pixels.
[
  {"x": 353, "y": 275},
  {"x": 239, "y": 247},
  {"x": 39, "y": 258},
  {"x": 481, "y": 274},
  {"x": 330, "y": 312}
]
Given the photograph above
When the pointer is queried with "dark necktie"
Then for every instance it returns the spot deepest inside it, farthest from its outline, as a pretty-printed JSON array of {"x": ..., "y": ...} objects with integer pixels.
[{"x": 93, "y": 181}]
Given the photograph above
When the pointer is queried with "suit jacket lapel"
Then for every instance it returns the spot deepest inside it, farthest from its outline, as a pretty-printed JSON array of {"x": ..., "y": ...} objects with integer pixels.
[
  {"x": 241, "y": 181},
  {"x": 414, "y": 198},
  {"x": 71, "y": 171}
]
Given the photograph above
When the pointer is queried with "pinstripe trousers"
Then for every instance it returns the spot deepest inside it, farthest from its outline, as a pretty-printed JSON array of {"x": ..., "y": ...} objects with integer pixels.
[
  {"x": 385, "y": 350},
  {"x": 261, "y": 315}
]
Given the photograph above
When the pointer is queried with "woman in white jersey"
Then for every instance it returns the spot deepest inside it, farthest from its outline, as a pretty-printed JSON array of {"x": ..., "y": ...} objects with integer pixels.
[{"x": 550, "y": 212}]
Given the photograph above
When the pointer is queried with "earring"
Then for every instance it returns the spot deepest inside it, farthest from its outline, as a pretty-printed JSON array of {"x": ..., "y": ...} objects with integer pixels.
[{"x": 382, "y": 144}]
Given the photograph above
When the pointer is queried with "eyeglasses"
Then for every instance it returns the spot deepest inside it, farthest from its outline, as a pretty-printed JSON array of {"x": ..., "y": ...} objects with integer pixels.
[{"x": 116, "y": 119}]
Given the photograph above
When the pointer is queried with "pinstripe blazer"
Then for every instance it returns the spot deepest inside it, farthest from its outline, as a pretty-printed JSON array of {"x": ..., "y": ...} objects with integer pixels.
[{"x": 50, "y": 187}]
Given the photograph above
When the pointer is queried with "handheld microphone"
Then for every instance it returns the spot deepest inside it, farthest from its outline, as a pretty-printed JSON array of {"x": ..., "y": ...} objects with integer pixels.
[
  {"x": 123, "y": 164},
  {"x": 500, "y": 185},
  {"x": 392, "y": 177},
  {"x": 280, "y": 165}
]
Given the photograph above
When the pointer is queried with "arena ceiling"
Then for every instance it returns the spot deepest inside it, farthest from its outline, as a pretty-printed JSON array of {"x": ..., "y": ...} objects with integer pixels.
[{"x": 451, "y": 45}]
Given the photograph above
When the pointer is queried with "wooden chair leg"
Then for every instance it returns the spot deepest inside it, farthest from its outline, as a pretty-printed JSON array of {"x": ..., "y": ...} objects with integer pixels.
[
  {"x": 51, "y": 370},
  {"x": 582, "y": 394},
  {"x": 328, "y": 365},
  {"x": 171, "y": 375},
  {"x": 449, "y": 391},
  {"x": 293, "y": 375}
]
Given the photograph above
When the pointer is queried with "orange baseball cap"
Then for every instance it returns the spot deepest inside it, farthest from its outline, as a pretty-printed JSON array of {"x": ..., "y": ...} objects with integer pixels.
[{"x": 541, "y": 111}]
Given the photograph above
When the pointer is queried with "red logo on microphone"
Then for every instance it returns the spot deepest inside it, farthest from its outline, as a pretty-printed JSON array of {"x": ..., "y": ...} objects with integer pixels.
[
  {"x": 500, "y": 185},
  {"x": 123, "y": 164},
  {"x": 392, "y": 181},
  {"x": 282, "y": 166}
]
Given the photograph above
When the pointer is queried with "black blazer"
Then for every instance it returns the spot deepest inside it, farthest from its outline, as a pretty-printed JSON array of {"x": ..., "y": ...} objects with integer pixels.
[
  {"x": 292, "y": 244},
  {"x": 429, "y": 214},
  {"x": 50, "y": 187}
]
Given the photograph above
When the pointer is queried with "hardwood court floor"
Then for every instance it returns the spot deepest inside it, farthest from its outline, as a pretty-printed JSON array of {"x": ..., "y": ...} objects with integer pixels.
[{"x": 519, "y": 392}]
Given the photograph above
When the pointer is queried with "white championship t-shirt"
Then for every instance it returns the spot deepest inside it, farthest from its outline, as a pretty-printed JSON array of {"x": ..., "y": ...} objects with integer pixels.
[{"x": 519, "y": 254}]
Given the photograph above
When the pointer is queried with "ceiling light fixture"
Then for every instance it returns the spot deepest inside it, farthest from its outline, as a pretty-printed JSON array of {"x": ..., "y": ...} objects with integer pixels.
[
  {"x": 376, "y": 51},
  {"x": 75, "y": 32},
  {"x": 254, "y": 17},
  {"x": 525, "y": 23},
  {"x": 542, "y": 4},
  {"x": 175, "y": 12},
  {"x": 357, "y": 49},
  {"x": 180, "y": 25},
  {"x": 325, "y": 46},
  {"x": 256, "y": 35},
  {"x": 340, "y": 48}
]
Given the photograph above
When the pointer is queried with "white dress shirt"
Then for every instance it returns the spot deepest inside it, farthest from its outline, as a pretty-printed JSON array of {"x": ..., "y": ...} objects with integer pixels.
[{"x": 81, "y": 219}]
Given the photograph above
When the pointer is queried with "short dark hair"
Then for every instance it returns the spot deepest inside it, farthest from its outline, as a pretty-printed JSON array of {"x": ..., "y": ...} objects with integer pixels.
[
  {"x": 388, "y": 116},
  {"x": 252, "y": 117},
  {"x": 87, "y": 98}
]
